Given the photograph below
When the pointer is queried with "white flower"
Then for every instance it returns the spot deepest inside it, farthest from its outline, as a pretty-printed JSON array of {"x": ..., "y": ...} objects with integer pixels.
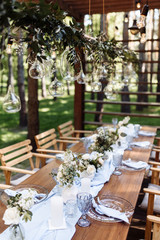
[
  {"x": 59, "y": 176},
  {"x": 11, "y": 216},
  {"x": 68, "y": 156},
  {"x": 100, "y": 160},
  {"x": 86, "y": 156},
  {"x": 126, "y": 120},
  {"x": 120, "y": 123},
  {"x": 26, "y": 203},
  {"x": 91, "y": 169}
]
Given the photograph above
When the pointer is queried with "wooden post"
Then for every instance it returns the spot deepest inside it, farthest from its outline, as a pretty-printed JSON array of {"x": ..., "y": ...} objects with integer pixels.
[
  {"x": 33, "y": 116},
  {"x": 79, "y": 106},
  {"x": 79, "y": 99}
]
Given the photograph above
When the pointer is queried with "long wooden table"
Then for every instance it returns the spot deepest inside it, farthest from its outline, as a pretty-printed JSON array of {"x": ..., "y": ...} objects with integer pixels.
[{"x": 127, "y": 186}]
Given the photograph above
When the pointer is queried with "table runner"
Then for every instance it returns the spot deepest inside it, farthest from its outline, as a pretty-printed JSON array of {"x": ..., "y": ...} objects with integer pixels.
[{"x": 38, "y": 228}]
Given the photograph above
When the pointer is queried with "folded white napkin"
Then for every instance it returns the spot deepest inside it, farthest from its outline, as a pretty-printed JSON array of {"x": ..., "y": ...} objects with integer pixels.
[
  {"x": 134, "y": 164},
  {"x": 110, "y": 212},
  {"x": 37, "y": 196},
  {"x": 144, "y": 144},
  {"x": 60, "y": 156},
  {"x": 146, "y": 133},
  {"x": 57, "y": 220}
]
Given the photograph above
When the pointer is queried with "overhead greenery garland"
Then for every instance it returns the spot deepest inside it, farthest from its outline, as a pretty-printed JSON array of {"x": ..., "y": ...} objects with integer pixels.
[{"x": 45, "y": 29}]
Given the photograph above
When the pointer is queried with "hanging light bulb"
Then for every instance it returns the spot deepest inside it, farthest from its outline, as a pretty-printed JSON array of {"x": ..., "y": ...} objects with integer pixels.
[
  {"x": 134, "y": 29},
  {"x": 56, "y": 88},
  {"x": 11, "y": 103},
  {"x": 138, "y": 3},
  {"x": 144, "y": 13},
  {"x": 36, "y": 71},
  {"x": 126, "y": 18},
  {"x": 9, "y": 46},
  {"x": 143, "y": 35}
]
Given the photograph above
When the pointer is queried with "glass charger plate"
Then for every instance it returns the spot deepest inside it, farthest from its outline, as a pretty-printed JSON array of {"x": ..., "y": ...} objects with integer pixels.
[
  {"x": 41, "y": 195},
  {"x": 114, "y": 202}
]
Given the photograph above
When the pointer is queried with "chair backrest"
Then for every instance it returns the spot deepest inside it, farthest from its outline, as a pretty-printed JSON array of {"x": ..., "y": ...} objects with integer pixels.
[
  {"x": 66, "y": 129},
  {"x": 15, "y": 154},
  {"x": 46, "y": 139}
]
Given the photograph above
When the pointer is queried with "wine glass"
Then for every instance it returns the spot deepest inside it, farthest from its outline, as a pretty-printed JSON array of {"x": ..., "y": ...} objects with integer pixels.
[
  {"x": 117, "y": 162},
  {"x": 114, "y": 122},
  {"x": 84, "y": 201}
]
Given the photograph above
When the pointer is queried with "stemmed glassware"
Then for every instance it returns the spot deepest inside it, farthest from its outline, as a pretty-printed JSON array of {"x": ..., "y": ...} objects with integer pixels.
[
  {"x": 84, "y": 201},
  {"x": 114, "y": 121}
]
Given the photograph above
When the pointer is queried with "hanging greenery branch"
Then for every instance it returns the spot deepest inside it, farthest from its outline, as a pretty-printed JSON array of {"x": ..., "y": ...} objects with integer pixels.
[{"x": 44, "y": 29}]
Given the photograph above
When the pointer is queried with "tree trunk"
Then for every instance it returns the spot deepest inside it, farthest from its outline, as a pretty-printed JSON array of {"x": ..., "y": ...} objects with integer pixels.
[
  {"x": 151, "y": 26},
  {"x": 21, "y": 90},
  {"x": 33, "y": 116},
  {"x": 44, "y": 93},
  {"x": 158, "y": 75},
  {"x": 100, "y": 95},
  {"x": 10, "y": 70},
  {"x": 125, "y": 97},
  {"x": 142, "y": 78}
]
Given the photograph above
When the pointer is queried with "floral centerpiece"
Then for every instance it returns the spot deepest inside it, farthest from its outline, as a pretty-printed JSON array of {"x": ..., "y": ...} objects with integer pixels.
[
  {"x": 18, "y": 206},
  {"x": 104, "y": 139},
  {"x": 67, "y": 171},
  {"x": 88, "y": 164},
  {"x": 73, "y": 166},
  {"x": 108, "y": 136}
]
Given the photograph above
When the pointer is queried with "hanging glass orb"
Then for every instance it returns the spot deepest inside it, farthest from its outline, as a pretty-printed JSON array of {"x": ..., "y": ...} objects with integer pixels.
[
  {"x": 109, "y": 92},
  {"x": 56, "y": 88},
  {"x": 83, "y": 79},
  {"x": 96, "y": 86},
  {"x": 11, "y": 103},
  {"x": 36, "y": 70},
  {"x": 70, "y": 68}
]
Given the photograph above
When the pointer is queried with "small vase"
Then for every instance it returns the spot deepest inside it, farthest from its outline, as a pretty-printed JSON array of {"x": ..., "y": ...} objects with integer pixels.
[{"x": 16, "y": 232}]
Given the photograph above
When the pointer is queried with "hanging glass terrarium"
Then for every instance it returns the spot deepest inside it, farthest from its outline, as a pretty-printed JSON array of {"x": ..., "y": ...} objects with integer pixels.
[
  {"x": 56, "y": 88},
  {"x": 36, "y": 70},
  {"x": 70, "y": 66},
  {"x": 11, "y": 103}
]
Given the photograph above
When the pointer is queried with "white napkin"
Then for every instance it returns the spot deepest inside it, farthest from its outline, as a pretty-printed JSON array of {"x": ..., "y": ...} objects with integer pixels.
[
  {"x": 37, "y": 196},
  {"x": 57, "y": 220},
  {"x": 144, "y": 144},
  {"x": 110, "y": 212},
  {"x": 60, "y": 156},
  {"x": 146, "y": 133},
  {"x": 134, "y": 164}
]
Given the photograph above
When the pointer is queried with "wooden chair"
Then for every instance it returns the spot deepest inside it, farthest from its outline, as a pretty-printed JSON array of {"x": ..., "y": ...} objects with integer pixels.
[
  {"x": 4, "y": 186},
  {"x": 48, "y": 139},
  {"x": 156, "y": 226},
  {"x": 66, "y": 131},
  {"x": 15, "y": 154}
]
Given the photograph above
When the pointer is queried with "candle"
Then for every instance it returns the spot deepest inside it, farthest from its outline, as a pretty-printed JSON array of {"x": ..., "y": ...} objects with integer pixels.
[
  {"x": 57, "y": 217},
  {"x": 85, "y": 185}
]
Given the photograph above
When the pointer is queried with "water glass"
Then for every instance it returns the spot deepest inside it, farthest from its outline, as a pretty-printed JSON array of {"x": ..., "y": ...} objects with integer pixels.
[
  {"x": 117, "y": 162},
  {"x": 71, "y": 208},
  {"x": 129, "y": 140},
  {"x": 84, "y": 201},
  {"x": 136, "y": 128}
]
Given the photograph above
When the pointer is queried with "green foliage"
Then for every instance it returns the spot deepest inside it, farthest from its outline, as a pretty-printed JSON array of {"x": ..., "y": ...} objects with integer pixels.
[{"x": 45, "y": 29}]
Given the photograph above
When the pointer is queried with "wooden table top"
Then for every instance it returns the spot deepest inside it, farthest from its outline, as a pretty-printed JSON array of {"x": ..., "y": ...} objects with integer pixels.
[{"x": 127, "y": 186}]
